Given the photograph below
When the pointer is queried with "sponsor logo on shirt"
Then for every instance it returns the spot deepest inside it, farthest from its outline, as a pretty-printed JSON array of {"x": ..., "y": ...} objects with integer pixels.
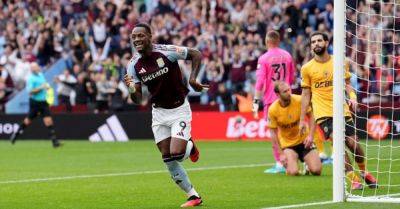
[
  {"x": 323, "y": 84},
  {"x": 155, "y": 74},
  {"x": 142, "y": 71},
  {"x": 290, "y": 125}
]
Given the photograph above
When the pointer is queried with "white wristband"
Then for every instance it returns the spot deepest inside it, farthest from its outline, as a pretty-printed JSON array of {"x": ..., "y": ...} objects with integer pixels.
[
  {"x": 132, "y": 88},
  {"x": 205, "y": 89}
]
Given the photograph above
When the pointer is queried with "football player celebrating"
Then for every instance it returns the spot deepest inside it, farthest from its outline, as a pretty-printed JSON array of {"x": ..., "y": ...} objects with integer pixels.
[{"x": 156, "y": 66}]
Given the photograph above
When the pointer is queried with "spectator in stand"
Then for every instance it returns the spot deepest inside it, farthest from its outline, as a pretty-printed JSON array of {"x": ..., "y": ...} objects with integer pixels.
[
  {"x": 237, "y": 71},
  {"x": 384, "y": 83},
  {"x": 224, "y": 98},
  {"x": 119, "y": 97},
  {"x": 213, "y": 76},
  {"x": 104, "y": 89},
  {"x": 82, "y": 89},
  {"x": 244, "y": 101},
  {"x": 99, "y": 54},
  {"x": 66, "y": 89},
  {"x": 3, "y": 93},
  {"x": 99, "y": 31},
  {"x": 6, "y": 84}
]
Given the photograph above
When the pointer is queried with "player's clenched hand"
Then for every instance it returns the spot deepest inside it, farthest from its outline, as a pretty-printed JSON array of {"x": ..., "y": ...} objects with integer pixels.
[
  {"x": 302, "y": 128},
  {"x": 255, "y": 108},
  {"x": 128, "y": 80},
  {"x": 353, "y": 104},
  {"x": 308, "y": 142},
  {"x": 129, "y": 83},
  {"x": 198, "y": 86},
  {"x": 283, "y": 159}
]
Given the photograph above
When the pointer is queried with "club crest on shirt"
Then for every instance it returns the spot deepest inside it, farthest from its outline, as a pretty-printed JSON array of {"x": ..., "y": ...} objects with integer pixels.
[
  {"x": 326, "y": 73},
  {"x": 160, "y": 62}
]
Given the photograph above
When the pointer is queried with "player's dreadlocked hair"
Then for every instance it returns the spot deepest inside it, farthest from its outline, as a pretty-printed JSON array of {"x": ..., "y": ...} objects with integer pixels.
[{"x": 145, "y": 26}]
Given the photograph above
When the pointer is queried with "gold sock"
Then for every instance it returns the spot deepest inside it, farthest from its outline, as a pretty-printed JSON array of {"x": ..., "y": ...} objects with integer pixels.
[
  {"x": 352, "y": 176},
  {"x": 361, "y": 166},
  {"x": 319, "y": 142}
]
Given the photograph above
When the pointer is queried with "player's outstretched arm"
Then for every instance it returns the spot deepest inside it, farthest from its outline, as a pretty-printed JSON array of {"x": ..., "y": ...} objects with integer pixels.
[
  {"x": 275, "y": 141},
  {"x": 305, "y": 104},
  {"x": 349, "y": 89},
  {"x": 195, "y": 56},
  {"x": 135, "y": 89},
  {"x": 261, "y": 82},
  {"x": 352, "y": 95},
  {"x": 308, "y": 142}
]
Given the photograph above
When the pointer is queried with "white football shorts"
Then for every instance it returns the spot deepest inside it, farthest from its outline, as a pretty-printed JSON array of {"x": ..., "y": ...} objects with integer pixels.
[{"x": 175, "y": 123}]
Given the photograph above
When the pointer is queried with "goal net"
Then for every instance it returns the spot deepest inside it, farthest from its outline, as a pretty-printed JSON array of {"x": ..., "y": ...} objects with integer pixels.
[{"x": 367, "y": 36}]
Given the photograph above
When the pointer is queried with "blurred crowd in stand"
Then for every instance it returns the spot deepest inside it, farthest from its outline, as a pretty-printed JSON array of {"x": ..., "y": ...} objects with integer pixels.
[{"x": 93, "y": 37}]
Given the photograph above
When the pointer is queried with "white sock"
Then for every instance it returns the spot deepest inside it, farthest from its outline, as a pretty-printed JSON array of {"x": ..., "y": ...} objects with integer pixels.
[
  {"x": 179, "y": 175},
  {"x": 279, "y": 164},
  {"x": 322, "y": 155},
  {"x": 193, "y": 192}
]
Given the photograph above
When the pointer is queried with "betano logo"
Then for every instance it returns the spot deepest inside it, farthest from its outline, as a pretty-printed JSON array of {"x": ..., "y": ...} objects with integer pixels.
[
  {"x": 239, "y": 127},
  {"x": 112, "y": 130},
  {"x": 155, "y": 74},
  {"x": 378, "y": 127}
]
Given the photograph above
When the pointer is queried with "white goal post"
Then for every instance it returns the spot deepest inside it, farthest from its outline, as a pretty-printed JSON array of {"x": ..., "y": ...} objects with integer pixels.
[
  {"x": 383, "y": 153},
  {"x": 338, "y": 99}
]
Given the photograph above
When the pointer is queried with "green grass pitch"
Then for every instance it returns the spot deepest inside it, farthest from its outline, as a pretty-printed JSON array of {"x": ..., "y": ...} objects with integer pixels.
[{"x": 131, "y": 175}]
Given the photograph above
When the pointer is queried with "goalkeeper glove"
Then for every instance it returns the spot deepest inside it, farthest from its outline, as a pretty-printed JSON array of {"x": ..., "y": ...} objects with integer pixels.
[{"x": 256, "y": 106}]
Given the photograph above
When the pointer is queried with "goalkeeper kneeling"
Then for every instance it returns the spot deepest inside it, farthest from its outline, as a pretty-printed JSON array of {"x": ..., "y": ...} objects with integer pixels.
[{"x": 283, "y": 121}]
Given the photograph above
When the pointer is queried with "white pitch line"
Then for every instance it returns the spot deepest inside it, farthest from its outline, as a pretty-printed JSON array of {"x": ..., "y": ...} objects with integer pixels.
[
  {"x": 322, "y": 203},
  {"x": 129, "y": 173},
  {"x": 301, "y": 205},
  {"x": 388, "y": 195}
]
